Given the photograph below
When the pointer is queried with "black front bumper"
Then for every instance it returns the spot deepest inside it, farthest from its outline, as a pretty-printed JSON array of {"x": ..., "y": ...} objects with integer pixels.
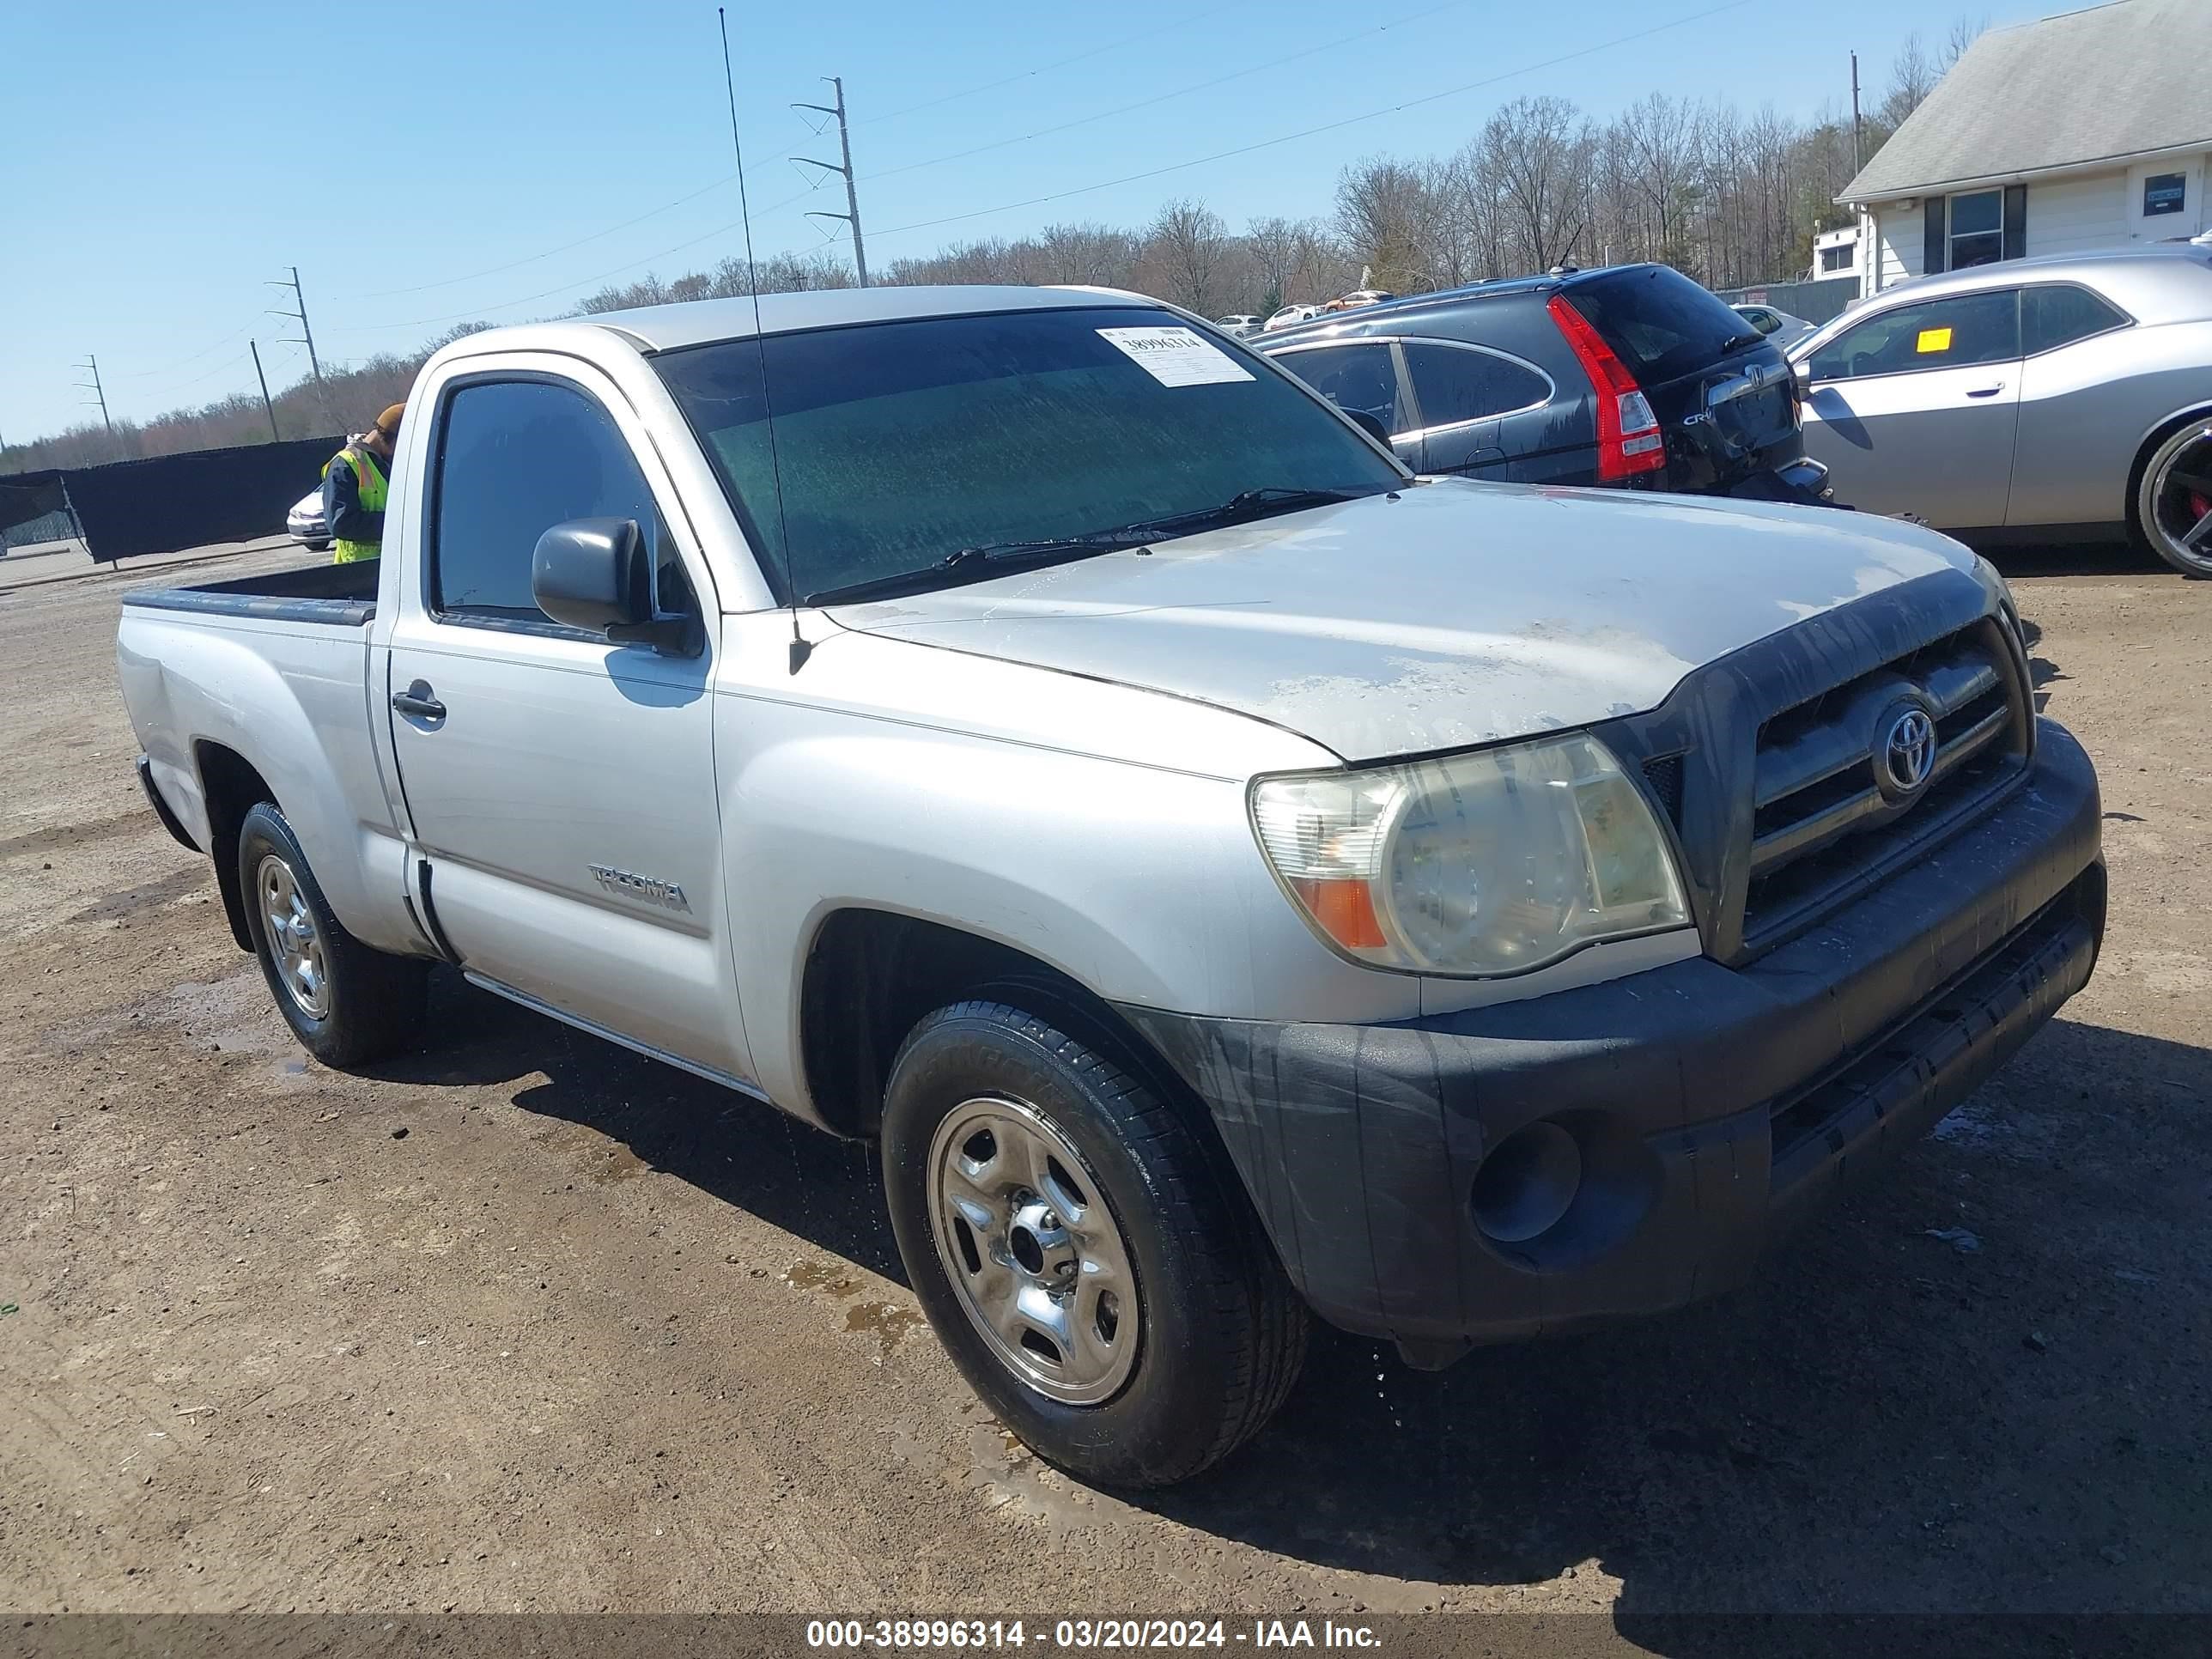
[{"x": 1710, "y": 1106}]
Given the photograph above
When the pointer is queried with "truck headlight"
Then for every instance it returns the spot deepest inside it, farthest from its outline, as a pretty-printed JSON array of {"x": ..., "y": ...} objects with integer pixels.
[{"x": 1493, "y": 862}]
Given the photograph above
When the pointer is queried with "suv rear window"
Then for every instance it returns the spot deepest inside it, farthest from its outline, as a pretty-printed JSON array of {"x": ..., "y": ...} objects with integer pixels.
[{"x": 1662, "y": 324}]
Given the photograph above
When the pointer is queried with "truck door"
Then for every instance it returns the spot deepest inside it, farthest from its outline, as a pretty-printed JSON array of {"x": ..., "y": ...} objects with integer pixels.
[{"x": 560, "y": 788}]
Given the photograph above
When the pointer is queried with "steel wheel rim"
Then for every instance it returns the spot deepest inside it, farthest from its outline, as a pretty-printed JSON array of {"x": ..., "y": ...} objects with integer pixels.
[
  {"x": 1032, "y": 1250},
  {"x": 2172, "y": 494},
  {"x": 295, "y": 942}
]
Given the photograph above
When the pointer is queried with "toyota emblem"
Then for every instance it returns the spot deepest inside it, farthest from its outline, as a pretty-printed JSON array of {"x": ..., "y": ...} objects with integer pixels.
[{"x": 1907, "y": 755}]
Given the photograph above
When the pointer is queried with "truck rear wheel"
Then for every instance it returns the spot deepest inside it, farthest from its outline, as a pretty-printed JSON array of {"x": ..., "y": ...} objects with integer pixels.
[
  {"x": 1078, "y": 1251},
  {"x": 346, "y": 1002}
]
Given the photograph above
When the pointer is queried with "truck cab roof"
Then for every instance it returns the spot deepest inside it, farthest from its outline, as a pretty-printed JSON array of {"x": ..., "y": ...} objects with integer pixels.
[{"x": 702, "y": 322}]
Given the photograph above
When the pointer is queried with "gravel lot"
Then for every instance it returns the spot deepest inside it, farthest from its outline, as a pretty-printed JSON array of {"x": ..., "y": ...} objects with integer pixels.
[{"x": 526, "y": 1322}]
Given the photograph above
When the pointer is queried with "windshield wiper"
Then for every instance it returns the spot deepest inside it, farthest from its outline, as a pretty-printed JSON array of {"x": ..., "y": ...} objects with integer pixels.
[
  {"x": 1736, "y": 340},
  {"x": 1245, "y": 504},
  {"x": 1051, "y": 550},
  {"x": 1249, "y": 504}
]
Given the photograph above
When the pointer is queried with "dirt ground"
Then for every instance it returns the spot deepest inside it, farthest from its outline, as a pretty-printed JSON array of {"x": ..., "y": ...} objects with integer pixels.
[{"x": 528, "y": 1322}]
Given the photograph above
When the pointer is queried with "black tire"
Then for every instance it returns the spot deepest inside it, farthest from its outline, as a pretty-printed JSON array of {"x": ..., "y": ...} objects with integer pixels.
[
  {"x": 2151, "y": 474},
  {"x": 367, "y": 1003},
  {"x": 1220, "y": 1333}
]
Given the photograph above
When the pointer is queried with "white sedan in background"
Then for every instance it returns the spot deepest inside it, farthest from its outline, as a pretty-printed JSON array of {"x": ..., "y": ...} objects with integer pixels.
[{"x": 305, "y": 524}]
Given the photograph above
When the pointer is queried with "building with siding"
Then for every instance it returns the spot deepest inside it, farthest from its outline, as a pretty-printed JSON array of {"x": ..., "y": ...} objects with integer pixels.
[{"x": 2092, "y": 129}]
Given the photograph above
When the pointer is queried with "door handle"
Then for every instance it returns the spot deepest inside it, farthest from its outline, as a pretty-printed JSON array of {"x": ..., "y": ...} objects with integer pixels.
[
  {"x": 417, "y": 700},
  {"x": 1986, "y": 391}
]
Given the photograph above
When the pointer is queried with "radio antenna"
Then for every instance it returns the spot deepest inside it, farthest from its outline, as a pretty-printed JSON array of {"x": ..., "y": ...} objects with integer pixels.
[{"x": 800, "y": 650}]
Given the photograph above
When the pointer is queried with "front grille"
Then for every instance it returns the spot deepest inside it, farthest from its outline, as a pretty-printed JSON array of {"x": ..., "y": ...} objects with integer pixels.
[
  {"x": 1664, "y": 774},
  {"x": 1829, "y": 811}
]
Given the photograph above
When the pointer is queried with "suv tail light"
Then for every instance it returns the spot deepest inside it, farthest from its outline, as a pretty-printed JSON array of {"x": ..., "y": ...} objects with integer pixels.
[{"x": 1629, "y": 441}]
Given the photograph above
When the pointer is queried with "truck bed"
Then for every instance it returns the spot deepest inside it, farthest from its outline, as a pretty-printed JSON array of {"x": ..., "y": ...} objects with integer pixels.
[{"x": 342, "y": 595}]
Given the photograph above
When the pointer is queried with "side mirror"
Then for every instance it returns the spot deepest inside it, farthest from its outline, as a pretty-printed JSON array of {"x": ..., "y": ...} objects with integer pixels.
[
  {"x": 1371, "y": 425},
  {"x": 597, "y": 574},
  {"x": 1801, "y": 370}
]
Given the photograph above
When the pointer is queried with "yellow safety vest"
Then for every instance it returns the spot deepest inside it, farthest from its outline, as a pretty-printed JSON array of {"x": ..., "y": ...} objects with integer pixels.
[{"x": 370, "y": 477}]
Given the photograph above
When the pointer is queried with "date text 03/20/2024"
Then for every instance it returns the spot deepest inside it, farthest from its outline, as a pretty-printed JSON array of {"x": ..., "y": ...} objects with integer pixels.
[{"x": 1083, "y": 1634}]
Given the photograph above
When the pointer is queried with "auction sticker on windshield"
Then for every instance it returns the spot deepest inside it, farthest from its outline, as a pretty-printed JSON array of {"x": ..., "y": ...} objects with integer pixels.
[{"x": 1175, "y": 356}]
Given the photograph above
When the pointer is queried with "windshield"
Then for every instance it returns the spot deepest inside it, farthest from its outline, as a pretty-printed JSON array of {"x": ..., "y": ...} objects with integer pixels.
[{"x": 902, "y": 444}]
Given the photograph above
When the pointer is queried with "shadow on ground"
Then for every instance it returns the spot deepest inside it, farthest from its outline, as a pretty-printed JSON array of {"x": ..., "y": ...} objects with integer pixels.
[
  {"x": 1885, "y": 1421},
  {"x": 2079, "y": 559}
]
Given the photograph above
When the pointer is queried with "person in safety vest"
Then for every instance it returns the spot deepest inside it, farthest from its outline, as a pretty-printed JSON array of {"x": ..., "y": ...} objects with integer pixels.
[{"x": 354, "y": 488}]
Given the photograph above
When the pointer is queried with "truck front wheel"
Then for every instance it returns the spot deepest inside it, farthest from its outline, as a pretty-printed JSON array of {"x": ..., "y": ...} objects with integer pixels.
[
  {"x": 1084, "y": 1261},
  {"x": 346, "y": 1002}
]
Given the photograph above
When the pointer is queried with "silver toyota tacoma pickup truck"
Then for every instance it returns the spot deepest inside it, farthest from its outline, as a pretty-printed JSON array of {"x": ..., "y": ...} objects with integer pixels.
[{"x": 1227, "y": 875}]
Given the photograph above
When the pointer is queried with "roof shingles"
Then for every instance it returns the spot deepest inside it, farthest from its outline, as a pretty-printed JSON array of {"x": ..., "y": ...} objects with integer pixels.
[{"x": 2106, "y": 84}]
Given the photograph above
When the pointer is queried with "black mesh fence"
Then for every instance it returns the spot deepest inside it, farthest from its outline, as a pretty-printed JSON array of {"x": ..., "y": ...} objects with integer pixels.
[{"x": 129, "y": 509}]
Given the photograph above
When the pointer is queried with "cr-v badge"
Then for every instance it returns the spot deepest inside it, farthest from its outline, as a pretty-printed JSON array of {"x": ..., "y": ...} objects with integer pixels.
[{"x": 651, "y": 888}]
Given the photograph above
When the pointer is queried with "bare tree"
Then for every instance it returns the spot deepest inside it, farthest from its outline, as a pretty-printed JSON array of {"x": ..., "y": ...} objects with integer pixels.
[
  {"x": 1965, "y": 30},
  {"x": 1187, "y": 246},
  {"x": 1384, "y": 211},
  {"x": 1656, "y": 144},
  {"x": 1913, "y": 75},
  {"x": 1532, "y": 161}
]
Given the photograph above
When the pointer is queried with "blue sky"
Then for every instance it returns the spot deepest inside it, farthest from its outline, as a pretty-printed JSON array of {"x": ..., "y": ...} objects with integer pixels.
[{"x": 161, "y": 162}]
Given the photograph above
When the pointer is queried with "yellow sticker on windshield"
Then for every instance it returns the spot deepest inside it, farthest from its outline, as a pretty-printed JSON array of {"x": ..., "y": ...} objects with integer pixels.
[{"x": 1934, "y": 339}]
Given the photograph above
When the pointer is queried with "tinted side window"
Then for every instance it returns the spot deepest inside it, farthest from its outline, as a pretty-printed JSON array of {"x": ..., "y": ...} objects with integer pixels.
[
  {"x": 1451, "y": 383},
  {"x": 1946, "y": 333},
  {"x": 515, "y": 457},
  {"x": 1356, "y": 379},
  {"x": 2061, "y": 314}
]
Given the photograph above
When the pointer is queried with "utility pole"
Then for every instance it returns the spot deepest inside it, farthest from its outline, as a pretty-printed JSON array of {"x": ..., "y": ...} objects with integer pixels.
[
  {"x": 852, "y": 214},
  {"x": 255, "y": 347},
  {"x": 1857, "y": 161},
  {"x": 94, "y": 387},
  {"x": 307, "y": 335}
]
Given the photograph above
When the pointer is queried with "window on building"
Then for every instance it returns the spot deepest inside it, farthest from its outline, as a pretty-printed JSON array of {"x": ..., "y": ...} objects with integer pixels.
[
  {"x": 1976, "y": 229},
  {"x": 1836, "y": 258}
]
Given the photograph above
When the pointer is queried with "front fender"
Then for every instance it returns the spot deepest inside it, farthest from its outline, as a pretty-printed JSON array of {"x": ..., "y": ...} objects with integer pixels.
[{"x": 1144, "y": 885}]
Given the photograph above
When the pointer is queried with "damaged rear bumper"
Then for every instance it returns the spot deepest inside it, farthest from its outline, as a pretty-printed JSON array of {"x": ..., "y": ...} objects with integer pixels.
[{"x": 1622, "y": 1148}]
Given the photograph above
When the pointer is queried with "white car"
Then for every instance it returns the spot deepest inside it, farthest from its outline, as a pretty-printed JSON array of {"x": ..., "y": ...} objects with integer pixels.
[
  {"x": 1780, "y": 326},
  {"x": 1237, "y": 324},
  {"x": 305, "y": 524},
  {"x": 1289, "y": 315}
]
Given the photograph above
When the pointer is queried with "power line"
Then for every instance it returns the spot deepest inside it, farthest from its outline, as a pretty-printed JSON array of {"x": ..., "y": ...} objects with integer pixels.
[
  {"x": 300, "y": 316},
  {"x": 94, "y": 387},
  {"x": 1325, "y": 126},
  {"x": 529, "y": 259},
  {"x": 1042, "y": 69},
  {"x": 1179, "y": 92},
  {"x": 184, "y": 362},
  {"x": 844, "y": 170},
  {"x": 752, "y": 172},
  {"x": 266, "y": 403},
  {"x": 544, "y": 294}
]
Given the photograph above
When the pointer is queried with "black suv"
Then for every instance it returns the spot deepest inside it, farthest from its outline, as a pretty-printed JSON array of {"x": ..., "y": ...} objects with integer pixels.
[{"x": 1632, "y": 376}]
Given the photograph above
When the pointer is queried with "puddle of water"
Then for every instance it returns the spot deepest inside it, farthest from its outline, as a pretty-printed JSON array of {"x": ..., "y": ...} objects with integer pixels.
[
  {"x": 836, "y": 1278},
  {"x": 889, "y": 1321}
]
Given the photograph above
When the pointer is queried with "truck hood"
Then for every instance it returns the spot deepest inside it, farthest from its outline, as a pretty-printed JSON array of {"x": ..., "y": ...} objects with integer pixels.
[{"x": 1457, "y": 614}]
